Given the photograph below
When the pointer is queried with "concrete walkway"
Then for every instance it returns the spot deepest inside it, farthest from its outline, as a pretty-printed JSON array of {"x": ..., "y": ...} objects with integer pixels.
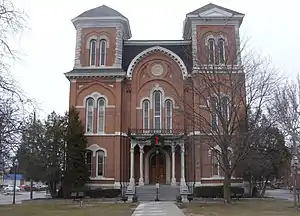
[{"x": 158, "y": 209}]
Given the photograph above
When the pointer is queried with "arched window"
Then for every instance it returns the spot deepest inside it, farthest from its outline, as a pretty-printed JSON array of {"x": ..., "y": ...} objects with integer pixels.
[
  {"x": 221, "y": 46},
  {"x": 225, "y": 108},
  {"x": 89, "y": 115},
  {"x": 214, "y": 114},
  {"x": 215, "y": 156},
  {"x": 146, "y": 110},
  {"x": 211, "y": 47},
  {"x": 157, "y": 109},
  {"x": 88, "y": 158},
  {"x": 93, "y": 52},
  {"x": 168, "y": 115},
  {"x": 103, "y": 46},
  {"x": 100, "y": 163},
  {"x": 101, "y": 115}
]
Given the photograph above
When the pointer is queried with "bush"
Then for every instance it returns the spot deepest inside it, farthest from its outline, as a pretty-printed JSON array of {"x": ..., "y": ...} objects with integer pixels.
[
  {"x": 215, "y": 191},
  {"x": 103, "y": 193}
]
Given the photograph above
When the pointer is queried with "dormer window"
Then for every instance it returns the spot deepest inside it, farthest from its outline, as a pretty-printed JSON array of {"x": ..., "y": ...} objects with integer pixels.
[
  {"x": 103, "y": 46},
  {"x": 221, "y": 46},
  {"x": 93, "y": 43},
  {"x": 211, "y": 46}
]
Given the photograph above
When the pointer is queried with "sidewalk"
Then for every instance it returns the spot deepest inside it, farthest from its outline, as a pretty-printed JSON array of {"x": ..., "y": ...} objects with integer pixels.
[{"x": 158, "y": 209}]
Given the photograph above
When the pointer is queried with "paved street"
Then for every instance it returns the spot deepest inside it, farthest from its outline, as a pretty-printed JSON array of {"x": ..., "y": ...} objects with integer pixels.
[
  {"x": 7, "y": 199},
  {"x": 157, "y": 209},
  {"x": 280, "y": 194}
]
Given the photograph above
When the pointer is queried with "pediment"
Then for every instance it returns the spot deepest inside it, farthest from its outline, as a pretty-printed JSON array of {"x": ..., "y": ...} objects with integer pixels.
[{"x": 215, "y": 12}]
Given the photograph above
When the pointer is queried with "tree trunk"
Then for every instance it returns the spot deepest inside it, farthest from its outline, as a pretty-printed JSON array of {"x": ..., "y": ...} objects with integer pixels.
[
  {"x": 31, "y": 189},
  {"x": 227, "y": 189},
  {"x": 263, "y": 190}
]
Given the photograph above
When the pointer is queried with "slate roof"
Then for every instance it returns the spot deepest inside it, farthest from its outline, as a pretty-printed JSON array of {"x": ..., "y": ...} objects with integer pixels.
[
  {"x": 102, "y": 11},
  {"x": 183, "y": 51},
  {"x": 211, "y": 6}
]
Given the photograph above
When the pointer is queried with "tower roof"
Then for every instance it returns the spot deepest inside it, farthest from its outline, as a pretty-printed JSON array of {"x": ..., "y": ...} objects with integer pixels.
[
  {"x": 212, "y": 6},
  {"x": 102, "y": 11}
]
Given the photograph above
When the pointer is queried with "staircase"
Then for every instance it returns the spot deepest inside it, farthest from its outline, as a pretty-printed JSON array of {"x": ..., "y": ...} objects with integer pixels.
[{"x": 165, "y": 192}]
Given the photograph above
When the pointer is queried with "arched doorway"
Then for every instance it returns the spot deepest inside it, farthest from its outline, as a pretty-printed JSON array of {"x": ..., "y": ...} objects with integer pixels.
[{"x": 157, "y": 172}]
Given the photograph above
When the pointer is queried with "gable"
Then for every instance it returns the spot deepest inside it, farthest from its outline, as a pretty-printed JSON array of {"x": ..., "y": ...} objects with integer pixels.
[{"x": 215, "y": 12}]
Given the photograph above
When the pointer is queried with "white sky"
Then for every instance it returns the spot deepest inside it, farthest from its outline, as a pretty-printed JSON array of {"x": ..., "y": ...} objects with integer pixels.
[{"x": 48, "y": 48}]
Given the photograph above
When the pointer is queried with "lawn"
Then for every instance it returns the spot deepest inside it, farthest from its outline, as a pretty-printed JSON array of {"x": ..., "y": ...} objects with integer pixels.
[
  {"x": 67, "y": 210},
  {"x": 243, "y": 208}
]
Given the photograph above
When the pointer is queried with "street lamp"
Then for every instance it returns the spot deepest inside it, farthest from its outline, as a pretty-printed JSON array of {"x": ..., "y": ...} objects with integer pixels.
[
  {"x": 157, "y": 178},
  {"x": 15, "y": 164},
  {"x": 294, "y": 164}
]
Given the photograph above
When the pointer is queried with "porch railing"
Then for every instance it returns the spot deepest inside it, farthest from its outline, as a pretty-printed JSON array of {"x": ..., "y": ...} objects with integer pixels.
[{"x": 156, "y": 131}]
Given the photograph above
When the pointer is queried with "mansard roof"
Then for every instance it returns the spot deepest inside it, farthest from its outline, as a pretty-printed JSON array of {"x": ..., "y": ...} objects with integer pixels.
[
  {"x": 212, "y": 6},
  {"x": 102, "y": 11}
]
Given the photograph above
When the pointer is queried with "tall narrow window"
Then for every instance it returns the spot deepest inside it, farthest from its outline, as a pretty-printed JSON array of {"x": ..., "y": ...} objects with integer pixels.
[
  {"x": 103, "y": 46},
  {"x": 146, "y": 108},
  {"x": 168, "y": 109},
  {"x": 211, "y": 44},
  {"x": 100, "y": 163},
  {"x": 214, "y": 114},
  {"x": 157, "y": 109},
  {"x": 215, "y": 163},
  {"x": 224, "y": 108},
  {"x": 89, "y": 115},
  {"x": 101, "y": 115},
  {"x": 89, "y": 155},
  {"x": 93, "y": 52},
  {"x": 221, "y": 51}
]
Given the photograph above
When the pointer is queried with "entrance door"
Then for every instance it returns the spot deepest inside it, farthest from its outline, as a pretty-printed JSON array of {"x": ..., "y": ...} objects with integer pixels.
[{"x": 157, "y": 169}]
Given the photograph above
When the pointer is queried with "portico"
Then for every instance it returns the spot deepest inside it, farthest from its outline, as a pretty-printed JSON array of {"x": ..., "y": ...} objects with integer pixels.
[{"x": 162, "y": 163}]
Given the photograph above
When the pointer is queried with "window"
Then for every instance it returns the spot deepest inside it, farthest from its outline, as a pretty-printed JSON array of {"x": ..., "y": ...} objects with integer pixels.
[
  {"x": 93, "y": 52},
  {"x": 215, "y": 163},
  {"x": 101, "y": 115},
  {"x": 89, "y": 115},
  {"x": 146, "y": 106},
  {"x": 168, "y": 109},
  {"x": 214, "y": 114},
  {"x": 103, "y": 46},
  {"x": 211, "y": 46},
  {"x": 224, "y": 108},
  {"x": 88, "y": 158},
  {"x": 100, "y": 163},
  {"x": 221, "y": 51},
  {"x": 157, "y": 109}
]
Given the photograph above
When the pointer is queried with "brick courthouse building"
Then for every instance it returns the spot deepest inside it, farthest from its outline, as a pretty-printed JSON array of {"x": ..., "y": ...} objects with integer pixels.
[{"x": 127, "y": 93}]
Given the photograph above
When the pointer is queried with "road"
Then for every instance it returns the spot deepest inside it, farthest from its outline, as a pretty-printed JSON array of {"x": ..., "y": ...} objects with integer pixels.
[
  {"x": 280, "y": 194},
  {"x": 7, "y": 199}
]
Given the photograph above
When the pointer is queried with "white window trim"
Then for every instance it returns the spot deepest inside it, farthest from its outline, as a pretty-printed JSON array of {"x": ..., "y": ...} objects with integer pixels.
[
  {"x": 86, "y": 115},
  {"x": 224, "y": 53},
  {"x": 148, "y": 117},
  {"x": 217, "y": 148},
  {"x": 160, "y": 110},
  {"x": 97, "y": 162},
  {"x": 88, "y": 150},
  {"x": 100, "y": 55},
  {"x": 214, "y": 51},
  {"x": 166, "y": 114},
  {"x": 98, "y": 115},
  {"x": 90, "y": 52}
]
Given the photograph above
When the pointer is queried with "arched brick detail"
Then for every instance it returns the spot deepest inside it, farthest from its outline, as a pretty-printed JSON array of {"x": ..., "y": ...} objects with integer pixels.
[{"x": 157, "y": 49}]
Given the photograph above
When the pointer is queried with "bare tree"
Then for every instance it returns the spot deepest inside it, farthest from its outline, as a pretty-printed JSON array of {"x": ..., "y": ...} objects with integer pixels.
[
  {"x": 13, "y": 101},
  {"x": 223, "y": 102},
  {"x": 286, "y": 108}
]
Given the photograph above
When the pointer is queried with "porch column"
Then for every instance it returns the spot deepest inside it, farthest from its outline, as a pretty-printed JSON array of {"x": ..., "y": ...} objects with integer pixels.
[
  {"x": 182, "y": 179},
  {"x": 173, "y": 181},
  {"x": 132, "y": 165},
  {"x": 141, "y": 180}
]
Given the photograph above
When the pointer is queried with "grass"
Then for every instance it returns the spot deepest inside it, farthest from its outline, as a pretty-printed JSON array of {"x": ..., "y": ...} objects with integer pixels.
[
  {"x": 243, "y": 208},
  {"x": 67, "y": 210}
]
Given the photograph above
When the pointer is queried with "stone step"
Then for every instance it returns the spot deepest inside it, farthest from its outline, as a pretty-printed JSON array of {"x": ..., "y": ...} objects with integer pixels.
[{"x": 166, "y": 192}]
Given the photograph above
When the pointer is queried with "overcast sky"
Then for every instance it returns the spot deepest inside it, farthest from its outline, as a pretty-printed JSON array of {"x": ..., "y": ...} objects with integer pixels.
[{"x": 48, "y": 48}]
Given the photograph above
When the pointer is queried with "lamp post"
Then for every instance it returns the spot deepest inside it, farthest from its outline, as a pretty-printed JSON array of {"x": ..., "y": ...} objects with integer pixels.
[
  {"x": 294, "y": 164},
  {"x": 15, "y": 164},
  {"x": 157, "y": 171}
]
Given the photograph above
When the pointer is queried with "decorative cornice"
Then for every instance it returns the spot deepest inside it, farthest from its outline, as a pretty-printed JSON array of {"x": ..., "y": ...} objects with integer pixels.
[{"x": 96, "y": 72}]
